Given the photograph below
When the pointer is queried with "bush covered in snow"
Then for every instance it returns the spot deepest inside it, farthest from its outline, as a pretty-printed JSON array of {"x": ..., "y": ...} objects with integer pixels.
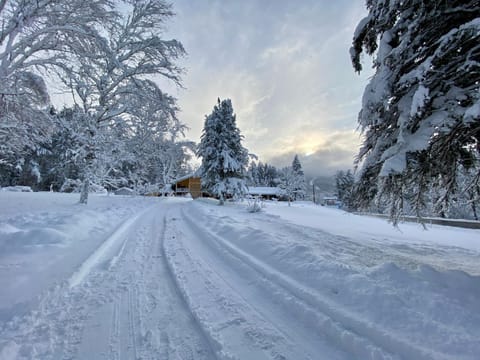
[
  {"x": 255, "y": 204},
  {"x": 71, "y": 185},
  {"x": 75, "y": 186}
]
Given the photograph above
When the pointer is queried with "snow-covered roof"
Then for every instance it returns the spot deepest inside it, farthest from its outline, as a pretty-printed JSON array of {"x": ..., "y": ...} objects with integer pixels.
[
  {"x": 124, "y": 191},
  {"x": 196, "y": 173},
  {"x": 263, "y": 190}
]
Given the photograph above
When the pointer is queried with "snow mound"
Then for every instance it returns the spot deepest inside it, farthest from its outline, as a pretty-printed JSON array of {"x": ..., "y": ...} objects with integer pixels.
[{"x": 13, "y": 240}]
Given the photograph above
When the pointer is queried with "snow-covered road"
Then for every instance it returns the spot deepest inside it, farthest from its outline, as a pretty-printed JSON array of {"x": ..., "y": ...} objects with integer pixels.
[
  {"x": 179, "y": 279},
  {"x": 120, "y": 303}
]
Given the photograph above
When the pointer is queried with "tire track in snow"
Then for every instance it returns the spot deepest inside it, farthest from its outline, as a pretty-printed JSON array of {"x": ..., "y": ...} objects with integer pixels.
[
  {"x": 131, "y": 322},
  {"x": 159, "y": 320},
  {"x": 319, "y": 327},
  {"x": 213, "y": 347},
  {"x": 360, "y": 338},
  {"x": 326, "y": 326},
  {"x": 102, "y": 252},
  {"x": 115, "y": 333},
  {"x": 237, "y": 328},
  {"x": 124, "y": 292},
  {"x": 221, "y": 317},
  {"x": 156, "y": 322},
  {"x": 339, "y": 269}
]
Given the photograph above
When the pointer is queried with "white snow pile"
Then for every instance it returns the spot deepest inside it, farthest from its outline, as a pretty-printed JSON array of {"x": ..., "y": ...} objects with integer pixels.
[{"x": 44, "y": 237}]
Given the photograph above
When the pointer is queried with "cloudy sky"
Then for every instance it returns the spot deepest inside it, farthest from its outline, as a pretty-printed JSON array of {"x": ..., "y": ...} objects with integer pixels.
[{"x": 285, "y": 65}]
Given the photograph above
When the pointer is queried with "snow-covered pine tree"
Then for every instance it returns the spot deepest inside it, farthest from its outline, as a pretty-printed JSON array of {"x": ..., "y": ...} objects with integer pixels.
[
  {"x": 287, "y": 182},
  {"x": 344, "y": 182},
  {"x": 299, "y": 179},
  {"x": 252, "y": 174},
  {"x": 64, "y": 149},
  {"x": 269, "y": 175},
  {"x": 262, "y": 174},
  {"x": 421, "y": 110},
  {"x": 224, "y": 159}
]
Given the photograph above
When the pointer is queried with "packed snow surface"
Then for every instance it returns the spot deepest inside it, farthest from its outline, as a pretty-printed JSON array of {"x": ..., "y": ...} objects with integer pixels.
[{"x": 165, "y": 278}]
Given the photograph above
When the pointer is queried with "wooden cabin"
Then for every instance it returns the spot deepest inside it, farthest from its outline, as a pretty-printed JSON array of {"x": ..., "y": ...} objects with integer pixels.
[{"x": 189, "y": 184}]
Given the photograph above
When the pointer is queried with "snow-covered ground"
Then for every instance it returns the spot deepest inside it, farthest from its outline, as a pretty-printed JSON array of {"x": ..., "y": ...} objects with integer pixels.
[{"x": 150, "y": 278}]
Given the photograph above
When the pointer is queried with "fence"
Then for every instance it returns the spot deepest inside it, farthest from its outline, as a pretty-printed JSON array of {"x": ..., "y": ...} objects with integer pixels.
[{"x": 467, "y": 224}]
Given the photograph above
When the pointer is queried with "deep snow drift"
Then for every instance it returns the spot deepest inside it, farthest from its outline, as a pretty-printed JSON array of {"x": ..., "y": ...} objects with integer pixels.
[{"x": 149, "y": 278}]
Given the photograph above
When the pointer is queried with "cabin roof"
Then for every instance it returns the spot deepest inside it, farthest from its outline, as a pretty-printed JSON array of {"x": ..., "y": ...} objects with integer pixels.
[
  {"x": 195, "y": 174},
  {"x": 264, "y": 190}
]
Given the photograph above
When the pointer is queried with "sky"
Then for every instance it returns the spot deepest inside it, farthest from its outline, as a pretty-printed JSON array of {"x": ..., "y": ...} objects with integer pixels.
[{"x": 286, "y": 67}]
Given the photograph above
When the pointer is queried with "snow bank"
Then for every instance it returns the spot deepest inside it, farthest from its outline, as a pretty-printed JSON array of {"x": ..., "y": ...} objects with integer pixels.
[
  {"x": 44, "y": 237},
  {"x": 408, "y": 292},
  {"x": 366, "y": 228}
]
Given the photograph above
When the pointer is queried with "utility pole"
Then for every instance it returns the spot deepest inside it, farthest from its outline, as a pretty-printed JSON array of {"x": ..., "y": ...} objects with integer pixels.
[{"x": 313, "y": 189}]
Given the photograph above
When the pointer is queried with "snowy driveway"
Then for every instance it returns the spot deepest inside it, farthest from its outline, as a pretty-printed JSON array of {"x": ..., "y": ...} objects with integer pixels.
[{"x": 175, "y": 279}]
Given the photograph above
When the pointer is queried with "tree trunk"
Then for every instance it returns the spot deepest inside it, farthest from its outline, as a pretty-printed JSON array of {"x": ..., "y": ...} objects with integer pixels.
[
  {"x": 84, "y": 192},
  {"x": 88, "y": 169},
  {"x": 474, "y": 207}
]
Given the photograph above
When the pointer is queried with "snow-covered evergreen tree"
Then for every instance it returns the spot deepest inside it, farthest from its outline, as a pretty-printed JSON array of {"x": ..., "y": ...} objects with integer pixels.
[
  {"x": 224, "y": 159},
  {"x": 288, "y": 183},
  {"x": 299, "y": 181},
  {"x": 252, "y": 174},
  {"x": 344, "y": 182},
  {"x": 260, "y": 174},
  {"x": 65, "y": 150},
  {"x": 421, "y": 110},
  {"x": 268, "y": 175}
]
